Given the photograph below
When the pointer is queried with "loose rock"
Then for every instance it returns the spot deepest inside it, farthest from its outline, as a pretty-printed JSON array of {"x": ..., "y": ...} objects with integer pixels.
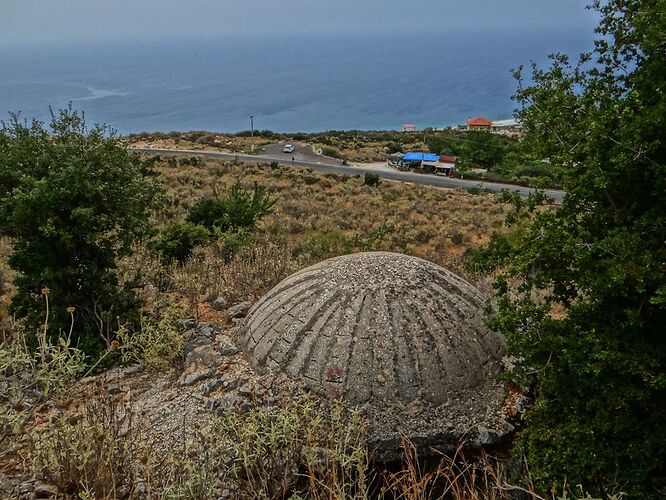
[
  {"x": 43, "y": 490},
  {"x": 239, "y": 310},
  {"x": 219, "y": 304}
]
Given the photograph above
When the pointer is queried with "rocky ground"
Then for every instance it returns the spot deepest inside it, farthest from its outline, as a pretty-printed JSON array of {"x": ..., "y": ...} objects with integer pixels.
[{"x": 167, "y": 409}]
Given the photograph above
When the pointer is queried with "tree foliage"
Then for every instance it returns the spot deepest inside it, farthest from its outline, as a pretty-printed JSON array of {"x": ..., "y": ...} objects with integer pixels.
[
  {"x": 597, "y": 341},
  {"x": 73, "y": 200}
]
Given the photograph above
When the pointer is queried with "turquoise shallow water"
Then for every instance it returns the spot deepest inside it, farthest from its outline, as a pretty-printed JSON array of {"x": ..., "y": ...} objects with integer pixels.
[{"x": 288, "y": 83}]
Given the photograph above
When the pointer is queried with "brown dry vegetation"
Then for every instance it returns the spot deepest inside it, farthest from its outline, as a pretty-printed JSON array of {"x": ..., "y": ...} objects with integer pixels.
[
  {"x": 104, "y": 451},
  {"x": 316, "y": 216},
  {"x": 323, "y": 214}
]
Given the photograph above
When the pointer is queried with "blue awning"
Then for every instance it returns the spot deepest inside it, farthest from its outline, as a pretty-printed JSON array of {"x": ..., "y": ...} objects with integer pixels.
[{"x": 421, "y": 157}]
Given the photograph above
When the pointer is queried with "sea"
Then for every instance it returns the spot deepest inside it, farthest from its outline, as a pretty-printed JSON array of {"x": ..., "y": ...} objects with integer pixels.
[{"x": 286, "y": 83}]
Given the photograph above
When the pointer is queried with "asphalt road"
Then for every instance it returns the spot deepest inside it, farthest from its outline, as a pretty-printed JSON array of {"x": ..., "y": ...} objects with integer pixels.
[{"x": 303, "y": 158}]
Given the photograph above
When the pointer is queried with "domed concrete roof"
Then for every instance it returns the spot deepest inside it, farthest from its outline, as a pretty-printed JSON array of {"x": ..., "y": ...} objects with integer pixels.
[{"x": 396, "y": 334}]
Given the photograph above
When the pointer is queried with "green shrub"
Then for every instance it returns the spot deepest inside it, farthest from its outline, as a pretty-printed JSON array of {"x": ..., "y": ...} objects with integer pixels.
[
  {"x": 583, "y": 300},
  {"x": 177, "y": 240},
  {"x": 229, "y": 243},
  {"x": 74, "y": 200},
  {"x": 30, "y": 376},
  {"x": 326, "y": 244},
  {"x": 371, "y": 179},
  {"x": 238, "y": 209},
  {"x": 331, "y": 151},
  {"x": 310, "y": 180},
  {"x": 209, "y": 212},
  {"x": 158, "y": 344}
]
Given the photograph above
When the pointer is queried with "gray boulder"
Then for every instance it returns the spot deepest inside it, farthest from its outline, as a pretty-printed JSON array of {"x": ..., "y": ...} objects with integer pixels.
[
  {"x": 239, "y": 310},
  {"x": 219, "y": 304}
]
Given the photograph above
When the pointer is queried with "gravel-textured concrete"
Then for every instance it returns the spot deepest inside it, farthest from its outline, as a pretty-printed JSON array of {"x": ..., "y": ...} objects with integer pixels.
[{"x": 397, "y": 335}]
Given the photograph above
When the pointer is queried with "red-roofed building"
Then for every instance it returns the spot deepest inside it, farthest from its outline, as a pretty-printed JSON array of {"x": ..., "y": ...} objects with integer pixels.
[
  {"x": 448, "y": 159},
  {"x": 409, "y": 127},
  {"x": 479, "y": 123}
]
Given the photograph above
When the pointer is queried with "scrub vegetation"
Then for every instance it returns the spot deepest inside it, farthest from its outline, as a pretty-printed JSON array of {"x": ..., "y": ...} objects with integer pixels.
[{"x": 106, "y": 253}]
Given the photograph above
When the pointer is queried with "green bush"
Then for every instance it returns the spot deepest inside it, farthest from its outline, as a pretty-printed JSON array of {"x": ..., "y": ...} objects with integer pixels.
[
  {"x": 158, "y": 344},
  {"x": 583, "y": 300},
  {"x": 371, "y": 179},
  {"x": 177, "y": 240},
  {"x": 302, "y": 450},
  {"x": 31, "y": 376},
  {"x": 74, "y": 200},
  {"x": 238, "y": 209},
  {"x": 230, "y": 243}
]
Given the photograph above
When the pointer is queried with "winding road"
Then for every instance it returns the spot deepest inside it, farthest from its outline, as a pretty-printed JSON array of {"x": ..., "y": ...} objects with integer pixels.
[{"x": 330, "y": 168}]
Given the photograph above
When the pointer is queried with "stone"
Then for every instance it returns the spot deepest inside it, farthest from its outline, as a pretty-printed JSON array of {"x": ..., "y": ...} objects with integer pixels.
[
  {"x": 140, "y": 487},
  {"x": 43, "y": 490},
  {"x": 245, "y": 406},
  {"x": 208, "y": 330},
  {"x": 113, "y": 389},
  {"x": 230, "y": 384},
  {"x": 131, "y": 370},
  {"x": 239, "y": 310},
  {"x": 522, "y": 405},
  {"x": 211, "y": 386},
  {"x": 209, "y": 297},
  {"x": 189, "y": 323},
  {"x": 396, "y": 335},
  {"x": 225, "y": 346},
  {"x": 201, "y": 358},
  {"x": 487, "y": 436},
  {"x": 219, "y": 304},
  {"x": 191, "y": 378},
  {"x": 245, "y": 390}
]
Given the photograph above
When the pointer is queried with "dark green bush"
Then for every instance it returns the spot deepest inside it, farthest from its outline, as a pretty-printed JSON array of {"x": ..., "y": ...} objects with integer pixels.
[
  {"x": 177, "y": 240},
  {"x": 583, "y": 300},
  {"x": 74, "y": 200},
  {"x": 371, "y": 179},
  {"x": 237, "y": 209},
  {"x": 209, "y": 212}
]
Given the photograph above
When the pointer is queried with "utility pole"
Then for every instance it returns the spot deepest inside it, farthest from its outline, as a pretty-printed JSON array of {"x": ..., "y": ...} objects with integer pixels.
[{"x": 252, "y": 130}]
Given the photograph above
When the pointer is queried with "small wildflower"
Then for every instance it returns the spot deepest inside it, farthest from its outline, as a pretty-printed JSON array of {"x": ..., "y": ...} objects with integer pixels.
[
  {"x": 71, "y": 309},
  {"x": 45, "y": 290}
]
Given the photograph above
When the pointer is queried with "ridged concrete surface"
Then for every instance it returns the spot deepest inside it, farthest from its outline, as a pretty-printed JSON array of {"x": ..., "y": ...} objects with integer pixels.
[
  {"x": 375, "y": 326},
  {"x": 394, "y": 333}
]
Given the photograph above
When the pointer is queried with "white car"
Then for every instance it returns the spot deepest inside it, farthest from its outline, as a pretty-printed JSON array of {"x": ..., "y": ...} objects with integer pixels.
[{"x": 288, "y": 148}]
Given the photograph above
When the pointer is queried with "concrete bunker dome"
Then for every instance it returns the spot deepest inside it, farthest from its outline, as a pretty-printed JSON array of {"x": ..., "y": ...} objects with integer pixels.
[{"x": 398, "y": 335}]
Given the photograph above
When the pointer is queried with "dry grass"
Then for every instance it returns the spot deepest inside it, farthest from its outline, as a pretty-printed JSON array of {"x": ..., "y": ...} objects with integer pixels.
[{"x": 321, "y": 215}]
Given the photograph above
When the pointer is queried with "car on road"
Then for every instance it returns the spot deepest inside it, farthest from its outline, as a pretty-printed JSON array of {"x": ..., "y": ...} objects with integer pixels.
[{"x": 288, "y": 148}]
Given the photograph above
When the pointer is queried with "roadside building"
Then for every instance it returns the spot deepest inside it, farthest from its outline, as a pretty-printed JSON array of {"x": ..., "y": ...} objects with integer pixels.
[
  {"x": 479, "y": 123},
  {"x": 507, "y": 127},
  {"x": 417, "y": 159},
  {"x": 446, "y": 164},
  {"x": 395, "y": 160},
  {"x": 409, "y": 127}
]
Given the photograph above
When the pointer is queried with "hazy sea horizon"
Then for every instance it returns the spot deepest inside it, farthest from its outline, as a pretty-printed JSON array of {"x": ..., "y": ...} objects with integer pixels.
[{"x": 289, "y": 83}]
